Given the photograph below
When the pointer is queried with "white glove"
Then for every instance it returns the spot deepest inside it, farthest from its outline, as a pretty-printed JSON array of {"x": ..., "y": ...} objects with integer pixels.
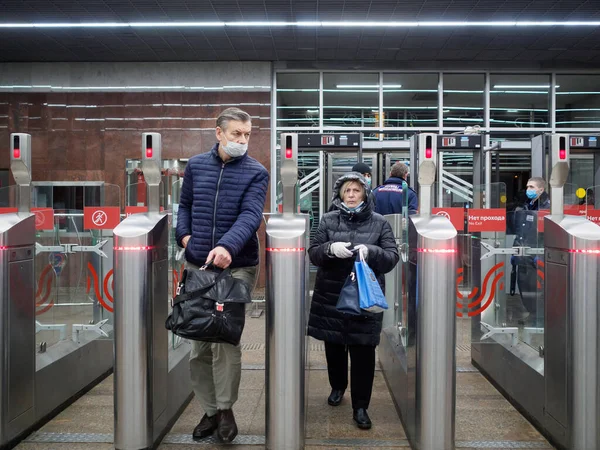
[
  {"x": 340, "y": 250},
  {"x": 363, "y": 249}
]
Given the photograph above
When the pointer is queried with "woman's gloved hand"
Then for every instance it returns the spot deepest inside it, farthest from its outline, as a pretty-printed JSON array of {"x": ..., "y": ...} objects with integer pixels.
[
  {"x": 340, "y": 250},
  {"x": 363, "y": 249}
]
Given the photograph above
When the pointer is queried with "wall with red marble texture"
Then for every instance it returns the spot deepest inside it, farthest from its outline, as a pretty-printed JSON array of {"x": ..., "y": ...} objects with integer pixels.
[{"x": 88, "y": 136}]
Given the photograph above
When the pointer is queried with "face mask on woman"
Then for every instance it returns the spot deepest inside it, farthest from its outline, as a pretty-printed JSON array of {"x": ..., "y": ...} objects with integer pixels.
[{"x": 357, "y": 208}]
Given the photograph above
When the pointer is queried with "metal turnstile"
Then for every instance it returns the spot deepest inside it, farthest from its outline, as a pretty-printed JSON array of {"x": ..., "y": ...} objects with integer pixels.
[
  {"x": 287, "y": 309},
  {"x": 152, "y": 382},
  {"x": 17, "y": 301},
  {"x": 35, "y": 382},
  {"x": 420, "y": 368},
  {"x": 556, "y": 384}
]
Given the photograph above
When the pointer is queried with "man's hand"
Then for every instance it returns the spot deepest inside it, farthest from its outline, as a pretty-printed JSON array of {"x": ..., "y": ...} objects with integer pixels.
[
  {"x": 185, "y": 240},
  {"x": 220, "y": 257}
]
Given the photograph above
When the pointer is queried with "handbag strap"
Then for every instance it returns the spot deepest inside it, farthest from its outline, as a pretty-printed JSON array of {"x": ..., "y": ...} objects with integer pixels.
[{"x": 198, "y": 292}]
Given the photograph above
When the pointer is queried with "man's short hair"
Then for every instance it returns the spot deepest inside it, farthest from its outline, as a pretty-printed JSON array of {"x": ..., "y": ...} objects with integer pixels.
[
  {"x": 539, "y": 181},
  {"x": 399, "y": 170},
  {"x": 232, "y": 114}
]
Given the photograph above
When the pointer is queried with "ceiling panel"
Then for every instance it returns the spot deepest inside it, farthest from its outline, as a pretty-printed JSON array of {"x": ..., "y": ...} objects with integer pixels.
[{"x": 565, "y": 46}]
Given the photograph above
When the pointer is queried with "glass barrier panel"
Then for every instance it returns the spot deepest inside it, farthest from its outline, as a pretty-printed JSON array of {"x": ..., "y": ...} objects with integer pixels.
[
  {"x": 505, "y": 299},
  {"x": 592, "y": 207},
  {"x": 74, "y": 258}
]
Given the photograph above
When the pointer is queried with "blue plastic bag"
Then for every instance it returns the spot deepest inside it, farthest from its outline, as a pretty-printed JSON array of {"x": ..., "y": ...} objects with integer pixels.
[
  {"x": 348, "y": 301},
  {"x": 369, "y": 292}
]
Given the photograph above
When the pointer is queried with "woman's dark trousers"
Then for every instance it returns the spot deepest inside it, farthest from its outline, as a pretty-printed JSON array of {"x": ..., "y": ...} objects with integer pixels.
[{"x": 362, "y": 371}]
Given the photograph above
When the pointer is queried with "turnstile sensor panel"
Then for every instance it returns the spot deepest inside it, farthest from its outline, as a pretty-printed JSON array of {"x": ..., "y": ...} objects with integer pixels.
[{"x": 329, "y": 140}]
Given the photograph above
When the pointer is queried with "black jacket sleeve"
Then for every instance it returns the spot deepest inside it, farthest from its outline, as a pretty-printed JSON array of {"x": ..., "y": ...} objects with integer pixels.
[
  {"x": 319, "y": 245},
  {"x": 384, "y": 256}
]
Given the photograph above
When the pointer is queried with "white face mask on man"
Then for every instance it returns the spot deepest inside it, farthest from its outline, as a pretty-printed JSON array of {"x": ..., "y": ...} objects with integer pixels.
[{"x": 235, "y": 149}]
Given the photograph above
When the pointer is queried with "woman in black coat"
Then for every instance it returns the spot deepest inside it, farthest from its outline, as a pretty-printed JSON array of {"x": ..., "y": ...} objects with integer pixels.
[{"x": 353, "y": 224}]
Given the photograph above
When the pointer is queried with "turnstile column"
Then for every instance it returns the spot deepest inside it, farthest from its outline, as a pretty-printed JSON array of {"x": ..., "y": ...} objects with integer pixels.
[
  {"x": 436, "y": 249},
  {"x": 286, "y": 331}
]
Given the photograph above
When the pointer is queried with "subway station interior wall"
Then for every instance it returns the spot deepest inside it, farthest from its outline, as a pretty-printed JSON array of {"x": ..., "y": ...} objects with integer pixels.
[{"x": 88, "y": 136}]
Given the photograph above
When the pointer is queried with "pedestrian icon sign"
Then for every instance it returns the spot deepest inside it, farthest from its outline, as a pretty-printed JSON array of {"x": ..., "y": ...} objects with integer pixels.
[{"x": 99, "y": 218}]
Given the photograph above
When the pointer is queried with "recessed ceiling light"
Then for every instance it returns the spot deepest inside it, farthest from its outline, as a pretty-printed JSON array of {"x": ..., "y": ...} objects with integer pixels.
[
  {"x": 363, "y": 86},
  {"x": 309, "y": 24},
  {"x": 523, "y": 86}
]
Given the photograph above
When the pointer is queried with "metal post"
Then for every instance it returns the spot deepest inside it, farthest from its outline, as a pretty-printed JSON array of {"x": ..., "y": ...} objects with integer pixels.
[
  {"x": 433, "y": 242},
  {"x": 571, "y": 294},
  {"x": 141, "y": 295},
  {"x": 17, "y": 301},
  {"x": 558, "y": 152},
  {"x": 286, "y": 312},
  {"x": 20, "y": 166},
  {"x": 427, "y": 144},
  {"x": 151, "y": 146}
]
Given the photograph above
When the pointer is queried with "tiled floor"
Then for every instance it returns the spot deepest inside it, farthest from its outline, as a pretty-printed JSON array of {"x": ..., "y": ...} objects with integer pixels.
[{"x": 483, "y": 417}]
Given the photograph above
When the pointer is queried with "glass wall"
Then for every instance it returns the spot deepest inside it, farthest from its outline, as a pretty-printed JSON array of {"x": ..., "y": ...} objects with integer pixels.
[
  {"x": 410, "y": 100},
  {"x": 464, "y": 100},
  {"x": 519, "y": 101},
  {"x": 350, "y": 99},
  {"x": 394, "y": 105},
  {"x": 578, "y": 101},
  {"x": 298, "y": 100}
]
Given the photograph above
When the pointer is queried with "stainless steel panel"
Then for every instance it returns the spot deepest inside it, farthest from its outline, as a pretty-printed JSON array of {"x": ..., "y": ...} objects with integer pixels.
[
  {"x": 21, "y": 338},
  {"x": 555, "y": 343},
  {"x": 568, "y": 241},
  {"x": 393, "y": 280},
  {"x": 17, "y": 365},
  {"x": 436, "y": 332},
  {"x": 145, "y": 235},
  {"x": 160, "y": 344},
  {"x": 286, "y": 331},
  {"x": 68, "y": 368}
]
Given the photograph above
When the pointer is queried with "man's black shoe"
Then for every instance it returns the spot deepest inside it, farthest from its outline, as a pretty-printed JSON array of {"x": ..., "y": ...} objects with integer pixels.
[
  {"x": 361, "y": 418},
  {"x": 335, "y": 398},
  {"x": 227, "y": 429},
  {"x": 206, "y": 427}
]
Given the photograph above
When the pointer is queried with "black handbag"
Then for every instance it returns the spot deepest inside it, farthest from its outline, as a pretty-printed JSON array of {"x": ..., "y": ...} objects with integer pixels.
[{"x": 209, "y": 306}]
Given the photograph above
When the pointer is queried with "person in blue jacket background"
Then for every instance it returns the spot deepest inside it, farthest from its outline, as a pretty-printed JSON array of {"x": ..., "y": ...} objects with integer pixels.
[
  {"x": 390, "y": 196},
  {"x": 524, "y": 268},
  {"x": 220, "y": 209}
]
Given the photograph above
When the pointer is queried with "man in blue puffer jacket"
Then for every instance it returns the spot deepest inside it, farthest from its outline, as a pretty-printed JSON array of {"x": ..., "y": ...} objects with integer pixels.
[{"x": 220, "y": 209}]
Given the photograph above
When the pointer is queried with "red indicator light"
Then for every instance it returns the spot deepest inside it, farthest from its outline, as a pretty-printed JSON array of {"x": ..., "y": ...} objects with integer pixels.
[
  {"x": 139, "y": 248},
  {"x": 562, "y": 154},
  {"x": 288, "y": 153},
  {"x": 149, "y": 152},
  {"x": 443, "y": 251},
  {"x": 17, "y": 153},
  {"x": 285, "y": 250},
  {"x": 428, "y": 153},
  {"x": 2, "y": 248},
  {"x": 587, "y": 252}
]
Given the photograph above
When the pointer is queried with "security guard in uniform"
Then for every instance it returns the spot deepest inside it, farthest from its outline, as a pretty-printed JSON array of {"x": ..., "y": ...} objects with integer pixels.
[{"x": 526, "y": 230}]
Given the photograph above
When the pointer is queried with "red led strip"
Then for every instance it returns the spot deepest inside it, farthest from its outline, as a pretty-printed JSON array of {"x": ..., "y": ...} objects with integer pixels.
[
  {"x": 3, "y": 247},
  {"x": 139, "y": 248},
  {"x": 285, "y": 250},
  {"x": 437, "y": 250},
  {"x": 587, "y": 252}
]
